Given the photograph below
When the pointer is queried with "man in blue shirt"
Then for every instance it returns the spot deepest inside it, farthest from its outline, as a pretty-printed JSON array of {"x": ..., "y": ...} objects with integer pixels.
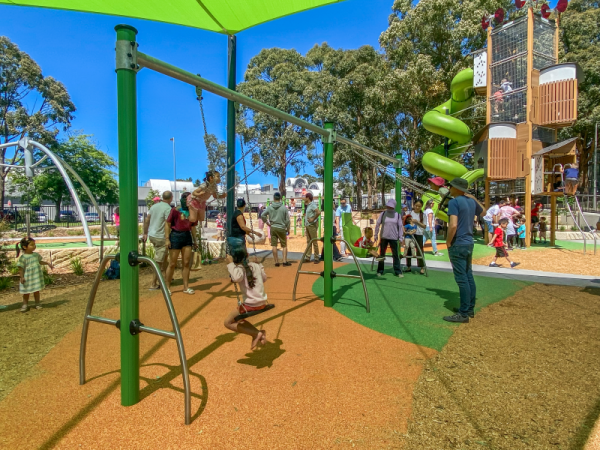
[
  {"x": 343, "y": 208},
  {"x": 462, "y": 209}
]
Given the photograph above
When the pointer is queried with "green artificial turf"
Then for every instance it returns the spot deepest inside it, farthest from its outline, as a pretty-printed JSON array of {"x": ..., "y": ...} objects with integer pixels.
[
  {"x": 411, "y": 308},
  {"x": 63, "y": 245}
]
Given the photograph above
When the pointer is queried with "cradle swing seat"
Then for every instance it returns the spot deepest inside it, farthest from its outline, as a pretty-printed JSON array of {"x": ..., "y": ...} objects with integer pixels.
[{"x": 255, "y": 312}]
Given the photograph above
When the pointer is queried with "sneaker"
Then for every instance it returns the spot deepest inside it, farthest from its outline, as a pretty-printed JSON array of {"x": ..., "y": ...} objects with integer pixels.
[
  {"x": 340, "y": 259},
  {"x": 24, "y": 308},
  {"x": 400, "y": 275},
  {"x": 287, "y": 263},
  {"x": 381, "y": 258},
  {"x": 471, "y": 314},
  {"x": 438, "y": 254},
  {"x": 277, "y": 264},
  {"x": 514, "y": 264},
  {"x": 457, "y": 318},
  {"x": 406, "y": 269},
  {"x": 379, "y": 274},
  {"x": 494, "y": 265},
  {"x": 316, "y": 261}
]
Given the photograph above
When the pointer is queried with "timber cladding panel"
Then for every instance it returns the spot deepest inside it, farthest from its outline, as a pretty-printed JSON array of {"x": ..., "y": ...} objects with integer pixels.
[
  {"x": 502, "y": 160},
  {"x": 558, "y": 103}
]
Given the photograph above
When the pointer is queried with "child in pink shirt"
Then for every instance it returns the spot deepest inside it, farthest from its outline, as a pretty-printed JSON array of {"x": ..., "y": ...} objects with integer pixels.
[{"x": 250, "y": 278}]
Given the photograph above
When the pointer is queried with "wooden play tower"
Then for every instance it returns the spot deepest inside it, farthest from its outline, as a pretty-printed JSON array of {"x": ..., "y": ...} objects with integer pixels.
[{"x": 529, "y": 97}]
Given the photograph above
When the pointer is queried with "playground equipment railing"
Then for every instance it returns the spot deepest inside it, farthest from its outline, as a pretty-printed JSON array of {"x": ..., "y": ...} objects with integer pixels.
[{"x": 135, "y": 327}]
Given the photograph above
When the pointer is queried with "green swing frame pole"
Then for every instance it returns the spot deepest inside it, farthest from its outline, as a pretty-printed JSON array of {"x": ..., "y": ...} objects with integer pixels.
[
  {"x": 398, "y": 185},
  {"x": 319, "y": 221},
  {"x": 128, "y": 199},
  {"x": 328, "y": 210},
  {"x": 231, "y": 84}
]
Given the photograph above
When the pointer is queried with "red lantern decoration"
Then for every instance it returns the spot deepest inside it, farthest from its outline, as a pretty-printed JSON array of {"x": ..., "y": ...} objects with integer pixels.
[
  {"x": 561, "y": 6},
  {"x": 499, "y": 15},
  {"x": 545, "y": 10},
  {"x": 519, "y": 3},
  {"x": 485, "y": 23}
]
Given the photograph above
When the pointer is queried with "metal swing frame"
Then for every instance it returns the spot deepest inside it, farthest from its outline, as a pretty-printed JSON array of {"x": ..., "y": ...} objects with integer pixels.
[
  {"x": 360, "y": 276},
  {"x": 135, "y": 327},
  {"x": 420, "y": 256}
]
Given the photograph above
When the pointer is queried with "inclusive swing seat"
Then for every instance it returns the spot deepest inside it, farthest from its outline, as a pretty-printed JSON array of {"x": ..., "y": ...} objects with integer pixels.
[
  {"x": 353, "y": 233},
  {"x": 255, "y": 312}
]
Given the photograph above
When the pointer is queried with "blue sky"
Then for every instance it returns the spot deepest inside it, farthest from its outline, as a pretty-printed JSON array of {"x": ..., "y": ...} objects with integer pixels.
[{"x": 78, "y": 50}]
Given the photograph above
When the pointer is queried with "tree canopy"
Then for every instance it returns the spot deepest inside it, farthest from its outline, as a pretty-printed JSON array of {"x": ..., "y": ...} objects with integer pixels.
[{"x": 30, "y": 104}]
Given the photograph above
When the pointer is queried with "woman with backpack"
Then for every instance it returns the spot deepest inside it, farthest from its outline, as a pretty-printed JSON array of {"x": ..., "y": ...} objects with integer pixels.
[{"x": 392, "y": 233}]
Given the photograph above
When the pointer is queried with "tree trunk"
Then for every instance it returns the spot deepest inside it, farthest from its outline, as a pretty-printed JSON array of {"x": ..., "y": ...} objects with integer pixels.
[
  {"x": 3, "y": 174},
  {"x": 359, "y": 180},
  {"x": 585, "y": 154},
  {"x": 57, "y": 204},
  {"x": 369, "y": 189}
]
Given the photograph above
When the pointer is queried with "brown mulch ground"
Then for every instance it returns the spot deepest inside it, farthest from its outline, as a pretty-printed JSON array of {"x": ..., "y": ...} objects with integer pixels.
[
  {"x": 25, "y": 338},
  {"x": 323, "y": 381},
  {"x": 558, "y": 260},
  {"x": 524, "y": 374}
]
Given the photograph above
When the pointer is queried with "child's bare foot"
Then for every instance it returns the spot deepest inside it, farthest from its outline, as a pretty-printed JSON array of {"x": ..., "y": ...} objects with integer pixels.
[
  {"x": 257, "y": 339},
  {"x": 263, "y": 338}
]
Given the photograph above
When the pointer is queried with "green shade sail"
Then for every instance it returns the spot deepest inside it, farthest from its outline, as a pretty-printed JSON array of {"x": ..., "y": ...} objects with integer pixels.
[{"x": 221, "y": 16}]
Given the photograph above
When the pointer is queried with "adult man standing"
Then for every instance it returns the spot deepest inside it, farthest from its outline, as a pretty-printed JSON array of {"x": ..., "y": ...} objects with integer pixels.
[
  {"x": 491, "y": 218},
  {"x": 277, "y": 218},
  {"x": 311, "y": 220},
  {"x": 461, "y": 211},
  {"x": 154, "y": 227},
  {"x": 343, "y": 208}
]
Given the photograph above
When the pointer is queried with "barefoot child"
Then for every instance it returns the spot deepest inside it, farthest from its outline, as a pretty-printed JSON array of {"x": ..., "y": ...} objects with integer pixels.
[
  {"x": 197, "y": 201},
  {"x": 367, "y": 242},
  {"x": 30, "y": 270},
  {"x": 500, "y": 243},
  {"x": 543, "y": 228},
  {"x": 250, "y": 277}
]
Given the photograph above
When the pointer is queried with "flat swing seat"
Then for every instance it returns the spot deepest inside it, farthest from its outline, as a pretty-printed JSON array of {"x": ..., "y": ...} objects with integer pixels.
[{"x": 255, "y": 312}]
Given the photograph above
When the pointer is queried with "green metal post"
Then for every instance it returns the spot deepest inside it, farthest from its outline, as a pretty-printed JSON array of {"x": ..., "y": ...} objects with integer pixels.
[
  {"x": 231, "y": 84},
  {"x": 398, "y": 186},
  {"x": 319, "y": 221},
  {"x": 328, "y": 220},
  {"x": 128, "y": 210}
]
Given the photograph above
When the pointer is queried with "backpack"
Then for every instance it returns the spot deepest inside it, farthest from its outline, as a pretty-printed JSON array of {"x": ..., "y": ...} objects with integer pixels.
[{"x": 114, "y": 271}]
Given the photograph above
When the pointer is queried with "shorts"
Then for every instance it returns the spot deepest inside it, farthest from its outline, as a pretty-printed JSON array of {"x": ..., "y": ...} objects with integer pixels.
[
  {"x": 278, "y": 234},
  {"x": 160, "y": 248},
  {"x": 501, "y": 252},
  {"x": 195, "y": 203},
  {"x": 180, "y": 239},
  {"x": 243, "y": 309},
  {"x": 235, "y": 244},
  {"x": 489, "y": 225},
  {"x": 535, "y": 219}
]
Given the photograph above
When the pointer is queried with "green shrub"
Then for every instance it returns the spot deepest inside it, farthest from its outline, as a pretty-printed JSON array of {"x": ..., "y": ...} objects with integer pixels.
[
  {"x": 562, "y": 228},
  {"x": 76, "y": 265},
  {"x": 75, "y": 233},
  {"x": 5, "y": 283},
  {"x": 574, "y": 228},
  {"x": 150, "y": 252},
  {"x": 95, "y": 231},
  {"x": 13, "y": 269},
  {"x": 48, "y": 279},
  {"x": 50, "y": 234}
]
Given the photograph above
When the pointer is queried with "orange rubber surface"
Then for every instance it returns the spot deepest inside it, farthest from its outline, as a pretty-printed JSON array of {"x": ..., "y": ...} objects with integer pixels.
[{"x": 323, "y": 381}]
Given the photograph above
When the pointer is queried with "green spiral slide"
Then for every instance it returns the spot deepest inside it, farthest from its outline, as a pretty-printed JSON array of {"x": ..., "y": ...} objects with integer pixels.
[{"x": 439, "y": 121}]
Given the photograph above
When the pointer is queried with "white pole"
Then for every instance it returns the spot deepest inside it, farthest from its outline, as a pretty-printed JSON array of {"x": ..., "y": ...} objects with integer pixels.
[{"x": 174, "y": 171}]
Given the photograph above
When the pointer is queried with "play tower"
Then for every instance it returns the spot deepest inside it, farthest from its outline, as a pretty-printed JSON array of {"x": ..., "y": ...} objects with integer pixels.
[{"x": 529, "y": 97}]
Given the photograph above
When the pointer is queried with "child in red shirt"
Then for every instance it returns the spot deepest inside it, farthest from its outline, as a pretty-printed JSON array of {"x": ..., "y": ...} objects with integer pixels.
[
  {"x": 367, "y": 242},
  {"x": 499, "y": 244}
]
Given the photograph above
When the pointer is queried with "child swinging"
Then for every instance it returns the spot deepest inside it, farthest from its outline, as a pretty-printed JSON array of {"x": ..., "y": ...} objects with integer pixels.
[
  {"x": 197, "y": 200},
  {"x": 251, "y": 278}
]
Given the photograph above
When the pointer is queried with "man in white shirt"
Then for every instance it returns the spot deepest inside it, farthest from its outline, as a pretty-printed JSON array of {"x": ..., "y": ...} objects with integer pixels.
[
  {"x": 343, "y": 208},
  {"x": 491, "y": 218},
  {"x": 154, "y": 227}
]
